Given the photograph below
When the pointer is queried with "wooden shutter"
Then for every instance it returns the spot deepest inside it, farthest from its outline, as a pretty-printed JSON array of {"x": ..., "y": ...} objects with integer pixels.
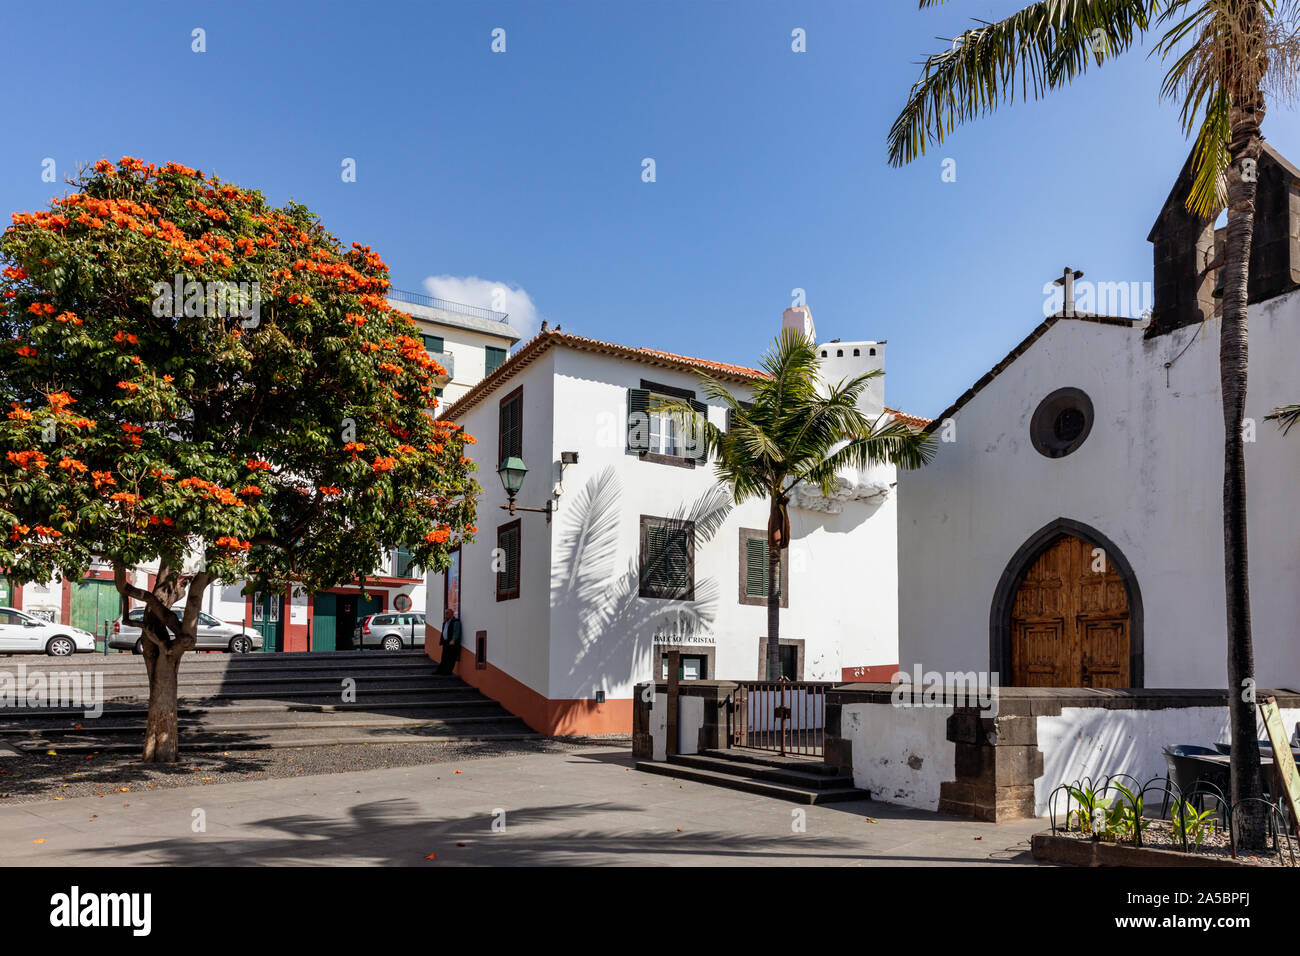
[
  {"x": 432, "y": 343},
  {"x": 697, "y": 436},
  {"x": 510, "y": 432},
  {"x": 677, "y": 559},
  {"x": 756, "y": 567},
  {"x": 508, "y": 574},
  {"x": 638, "y": 424},
  {"x": 493, "y": 359}
]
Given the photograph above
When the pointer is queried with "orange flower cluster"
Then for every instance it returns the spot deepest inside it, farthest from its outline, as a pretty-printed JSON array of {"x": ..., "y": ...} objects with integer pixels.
[
  {"x": 328, "y": 490},
  {"x": 101, "y": 479},
  {"x": 438, "y": 535},
  {"x": 31, "y": 460},
  {"x": 254, "y": 465},
  {"x": 27, "y": 351},
  {"x": 45, "y": 531},
  {"x": 19, "y": 414},
  {"x": 122, "y": 336},
  {"x": 155, "y": 521},
  {"x": 233, "y": 544},
  {"x": 250, "y": 490},
  {"x": 72, "y": 465},
  {"x": 125, "y": 497},
  {"x": 128, "y": 387},
  {"x": 384, "y": 464}
]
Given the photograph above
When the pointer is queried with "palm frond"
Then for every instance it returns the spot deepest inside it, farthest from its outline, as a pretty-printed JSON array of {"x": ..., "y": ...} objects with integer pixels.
[{"x": 1033, "y": 51}]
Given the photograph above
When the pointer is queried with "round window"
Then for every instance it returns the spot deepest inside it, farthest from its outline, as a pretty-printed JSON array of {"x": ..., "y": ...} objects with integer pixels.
[
  {"x": 1061, "y": 422},
  {"x": 402, "y": 602}
]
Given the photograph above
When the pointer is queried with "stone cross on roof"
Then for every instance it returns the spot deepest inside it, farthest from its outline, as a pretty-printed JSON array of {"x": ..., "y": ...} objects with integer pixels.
[{"x": 1067, "y": 280}]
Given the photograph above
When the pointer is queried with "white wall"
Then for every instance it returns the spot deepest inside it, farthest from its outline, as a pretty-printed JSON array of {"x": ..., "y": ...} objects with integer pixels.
[
  {"x": 900, "y": 754},
  {"x": 1148, "y": 477},
  {"x": 518, "y": 630}
]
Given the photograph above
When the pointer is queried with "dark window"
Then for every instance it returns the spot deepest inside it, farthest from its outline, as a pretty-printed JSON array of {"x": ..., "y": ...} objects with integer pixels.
[
  {"x": 382, "y": 619},
  {"x": 667, "y": 558},
  {"x": 871, "y": 351},
  {"x": 663, "y": 435},
  {"x": 857, "y": 352},
  {"x": 839, "y": 353},
  {"x": 480, "y": 650},
  {"x": 493, "y": 359},
  {"x": 510, "y": 426},
  {"x": 791, "y": 654},
  {"x": 508, "y": 556},
  {"x": 432, "y": 343},
  {"x": 753, "y": 569},
  {"x": 1061, "y": 422},
  {"x": 692, "y": 667}
]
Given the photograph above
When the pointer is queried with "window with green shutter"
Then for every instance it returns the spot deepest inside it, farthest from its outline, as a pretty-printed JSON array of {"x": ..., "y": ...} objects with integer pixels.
[
  {"x": 432, "y": 343},
  {"x": 493, "y": 359},
  {"x": 662, "y": 435},
  {"x": 510, "y": 426},
  {"x": 667, "y": 563},
  {"x": 753, "y": 569},
  {"x": 507, "y": 560}
]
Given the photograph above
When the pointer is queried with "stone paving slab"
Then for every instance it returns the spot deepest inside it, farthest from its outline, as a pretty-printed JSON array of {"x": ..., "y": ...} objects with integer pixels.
[{"x": 588, "y": 808}]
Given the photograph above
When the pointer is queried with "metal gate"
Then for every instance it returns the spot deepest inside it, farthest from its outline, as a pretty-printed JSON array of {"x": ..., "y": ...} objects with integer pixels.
[{"x": 785, "y": 716}]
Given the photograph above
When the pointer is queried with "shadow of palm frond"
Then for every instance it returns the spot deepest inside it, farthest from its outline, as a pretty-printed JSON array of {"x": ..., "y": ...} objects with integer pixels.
[{"x": 606, "y": 598}]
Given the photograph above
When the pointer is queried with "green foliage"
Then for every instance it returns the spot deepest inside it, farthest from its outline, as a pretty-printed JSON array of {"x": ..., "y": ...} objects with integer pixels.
[
  {"x": 291, "y": 442},
  {"x": 1187, "y": 820},
  {"x": 793, "y": 430}
]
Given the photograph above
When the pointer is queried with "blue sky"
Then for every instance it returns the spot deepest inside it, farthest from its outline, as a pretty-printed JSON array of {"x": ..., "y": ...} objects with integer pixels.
[{"x": 524, "y": 168}]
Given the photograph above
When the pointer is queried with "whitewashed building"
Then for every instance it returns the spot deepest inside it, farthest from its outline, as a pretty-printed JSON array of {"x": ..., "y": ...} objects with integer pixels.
[
  {"x": 643, "y": 551},
  {"x": 1069, "y": 532}
]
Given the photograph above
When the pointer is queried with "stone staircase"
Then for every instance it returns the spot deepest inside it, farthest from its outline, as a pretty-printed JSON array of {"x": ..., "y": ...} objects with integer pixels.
[
  {"x": 253, "y": 701},
  {"x": 797, "y": 779}
]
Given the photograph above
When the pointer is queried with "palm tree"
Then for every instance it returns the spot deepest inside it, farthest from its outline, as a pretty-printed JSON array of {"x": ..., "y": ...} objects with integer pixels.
[
  {"x": 792, "y": 431},
  {"x": 1223, "y": 56}
]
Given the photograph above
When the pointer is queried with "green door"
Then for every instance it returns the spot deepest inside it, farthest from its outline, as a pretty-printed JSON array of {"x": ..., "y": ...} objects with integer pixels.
[
  {"x": 324, "y": 623},
  {"x": 6, "y": 593},
  {"x": 93, "y": 604},
  {"x": 268, "y": 619}
]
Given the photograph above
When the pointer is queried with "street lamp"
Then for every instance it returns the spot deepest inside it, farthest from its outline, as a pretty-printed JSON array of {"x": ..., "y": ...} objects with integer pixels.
[{"x": 512, "y": 472}]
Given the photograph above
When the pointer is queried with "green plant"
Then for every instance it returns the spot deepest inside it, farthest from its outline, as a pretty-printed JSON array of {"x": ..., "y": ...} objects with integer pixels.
[
  {"x": 1086, "y": 815},
  {"x": 1124, "y": 820},
  {"x": 1191, "y": 824}
]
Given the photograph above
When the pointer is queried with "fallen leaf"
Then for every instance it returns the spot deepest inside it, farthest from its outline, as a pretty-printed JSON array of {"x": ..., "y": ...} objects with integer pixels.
[
  {"x": 38, "y": 841},
  {"x": 427, "y": 856}
]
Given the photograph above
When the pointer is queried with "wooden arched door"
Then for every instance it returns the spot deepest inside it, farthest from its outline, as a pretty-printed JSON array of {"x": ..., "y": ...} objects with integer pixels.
[{"x": 1070, "y": 620}]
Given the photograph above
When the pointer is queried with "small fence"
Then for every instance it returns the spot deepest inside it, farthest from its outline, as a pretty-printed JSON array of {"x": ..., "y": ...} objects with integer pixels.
[{"x": 788, "y": 717}]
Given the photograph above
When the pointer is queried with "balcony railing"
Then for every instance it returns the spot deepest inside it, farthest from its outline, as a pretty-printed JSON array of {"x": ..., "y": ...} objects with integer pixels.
[
  {"x": 416, "y": 298},
  {"x": 448, "y": 361}
]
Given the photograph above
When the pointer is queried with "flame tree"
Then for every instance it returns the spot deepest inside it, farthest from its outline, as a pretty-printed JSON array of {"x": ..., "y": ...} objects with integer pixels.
[{"x": 195, "y": 379}]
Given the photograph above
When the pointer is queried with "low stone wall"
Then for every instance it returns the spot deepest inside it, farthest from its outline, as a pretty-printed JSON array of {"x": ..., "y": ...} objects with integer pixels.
[
  {"x": 703, "y": 720},
  {"x": 1003, "y": 764}
]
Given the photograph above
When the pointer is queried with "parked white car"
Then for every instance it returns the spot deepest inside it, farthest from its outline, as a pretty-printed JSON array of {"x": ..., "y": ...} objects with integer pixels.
[
  {"x": 20, "y": 633},
  {"x": 211, "y": 634},
  {"x": 391, "y": 631}
]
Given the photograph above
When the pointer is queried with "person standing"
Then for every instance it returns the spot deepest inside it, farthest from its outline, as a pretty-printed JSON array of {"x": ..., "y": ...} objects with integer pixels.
[{"x": 450, "y": 642}]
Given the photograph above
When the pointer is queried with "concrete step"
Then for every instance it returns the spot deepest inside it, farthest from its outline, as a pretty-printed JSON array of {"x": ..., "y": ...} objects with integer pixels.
[
  {"x": 464, "y": 700},
  {"x": 780, "y": 791},
  {"x": 192, "y": 741},
  {"x": 268, "y": 724},
  {"x": 221, "y": 662},
  {"x": 761, "y": 771},
  {"x": 771, "y": 759}
]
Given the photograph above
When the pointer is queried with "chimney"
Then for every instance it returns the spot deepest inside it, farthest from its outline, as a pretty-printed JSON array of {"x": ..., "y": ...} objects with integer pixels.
[{"x": 799, "y": 317}]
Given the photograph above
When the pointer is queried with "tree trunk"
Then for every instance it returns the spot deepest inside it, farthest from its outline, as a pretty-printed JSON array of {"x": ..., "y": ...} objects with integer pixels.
[
  {"x": 161, "y": 735},
  {"x": 1249, "y": 818},
  {"x": 774, "y": 543}
]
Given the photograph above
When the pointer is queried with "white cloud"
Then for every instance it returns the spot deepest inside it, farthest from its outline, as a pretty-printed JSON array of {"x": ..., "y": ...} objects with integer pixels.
[{"x": 487, "y": 294}]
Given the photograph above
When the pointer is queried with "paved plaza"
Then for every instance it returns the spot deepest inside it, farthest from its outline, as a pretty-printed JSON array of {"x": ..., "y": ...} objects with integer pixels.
[{"x": 577, "y": 808}]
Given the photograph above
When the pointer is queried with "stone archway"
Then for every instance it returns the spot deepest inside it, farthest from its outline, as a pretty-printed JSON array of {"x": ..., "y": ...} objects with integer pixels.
[{"x": 1062, "y": 618}]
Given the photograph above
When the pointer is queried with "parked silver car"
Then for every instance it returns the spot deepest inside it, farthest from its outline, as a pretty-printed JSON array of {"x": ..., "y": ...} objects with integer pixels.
[
  {"x": 390, "y": 630},
  {"x": 21, "y": 633},
  {"x": 213, "y": 635}
]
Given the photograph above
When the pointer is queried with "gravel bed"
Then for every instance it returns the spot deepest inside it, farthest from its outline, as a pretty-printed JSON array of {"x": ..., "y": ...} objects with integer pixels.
[
  {"x": 1160, "y": 835},
  {"x": 31, "y": 778}
]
